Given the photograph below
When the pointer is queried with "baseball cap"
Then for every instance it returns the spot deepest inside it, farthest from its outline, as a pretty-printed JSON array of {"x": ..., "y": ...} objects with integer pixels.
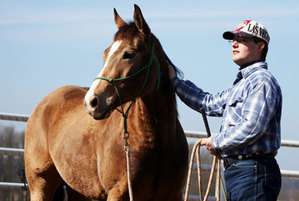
[{"x": 249, "y": 28}]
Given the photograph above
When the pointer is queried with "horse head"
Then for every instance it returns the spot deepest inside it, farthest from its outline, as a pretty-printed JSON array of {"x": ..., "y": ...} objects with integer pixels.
[{"x": 131, "y": 67}]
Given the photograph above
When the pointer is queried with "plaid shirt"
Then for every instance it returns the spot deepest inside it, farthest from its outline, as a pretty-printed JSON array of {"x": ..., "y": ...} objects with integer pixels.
[{"x": 251, "y": 109}]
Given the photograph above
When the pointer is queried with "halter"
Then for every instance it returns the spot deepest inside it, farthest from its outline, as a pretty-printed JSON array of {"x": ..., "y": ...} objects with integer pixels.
[
  {"x": 146, "y": 67},
  {"x": 113, "y": 81}
]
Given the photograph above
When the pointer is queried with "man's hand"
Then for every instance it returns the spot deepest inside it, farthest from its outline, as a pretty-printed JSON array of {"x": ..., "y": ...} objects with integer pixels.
[{"x": 207, "y": 142}]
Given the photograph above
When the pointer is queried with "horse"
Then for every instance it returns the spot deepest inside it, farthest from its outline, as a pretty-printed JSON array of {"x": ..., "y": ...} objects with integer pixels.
[{"x": 76, "y": 135}]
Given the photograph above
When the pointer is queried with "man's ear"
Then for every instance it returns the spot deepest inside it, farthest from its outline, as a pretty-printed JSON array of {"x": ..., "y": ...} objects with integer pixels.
[{"x": 262, "y": 46}]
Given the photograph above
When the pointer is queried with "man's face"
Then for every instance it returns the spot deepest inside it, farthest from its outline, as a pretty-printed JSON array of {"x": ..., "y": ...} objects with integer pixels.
[{"x": 245, "y": 50}]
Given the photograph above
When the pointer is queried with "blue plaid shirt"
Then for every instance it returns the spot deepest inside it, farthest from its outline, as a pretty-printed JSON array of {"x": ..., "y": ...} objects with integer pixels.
[{"x": 251, "y": 109}]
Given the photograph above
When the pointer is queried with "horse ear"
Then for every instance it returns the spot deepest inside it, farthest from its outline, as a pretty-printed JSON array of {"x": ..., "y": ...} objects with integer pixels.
[
  {"x": 118, "y": 20},
  {"x": 140, "y": 22}
]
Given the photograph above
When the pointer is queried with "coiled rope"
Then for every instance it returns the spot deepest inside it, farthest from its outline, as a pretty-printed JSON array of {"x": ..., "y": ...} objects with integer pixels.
[{"x": 216, "y": 162}]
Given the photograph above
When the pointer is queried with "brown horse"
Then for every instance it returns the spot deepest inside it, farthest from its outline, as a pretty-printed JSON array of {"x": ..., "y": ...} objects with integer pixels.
[{"x": 63, "y": 144}]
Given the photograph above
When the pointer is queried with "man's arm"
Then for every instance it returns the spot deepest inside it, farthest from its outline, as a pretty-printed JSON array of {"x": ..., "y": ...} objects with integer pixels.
[{"x": 197, "y": 99}]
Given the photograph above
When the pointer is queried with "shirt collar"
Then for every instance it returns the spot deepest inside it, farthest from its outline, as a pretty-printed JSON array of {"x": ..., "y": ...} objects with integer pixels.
[{"x": 252, "y": 68}]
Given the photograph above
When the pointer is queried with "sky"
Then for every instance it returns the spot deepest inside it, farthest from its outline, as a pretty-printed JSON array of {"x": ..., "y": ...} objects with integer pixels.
[{"x": 48, "y": 44}]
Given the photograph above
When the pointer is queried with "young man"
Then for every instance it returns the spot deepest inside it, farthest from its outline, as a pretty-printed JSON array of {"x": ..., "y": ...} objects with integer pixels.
[{"x": 249, "y": 136}]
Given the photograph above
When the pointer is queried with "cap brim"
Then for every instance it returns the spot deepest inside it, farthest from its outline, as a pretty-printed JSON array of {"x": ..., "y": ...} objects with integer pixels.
[{"x": 228, "y": 35}]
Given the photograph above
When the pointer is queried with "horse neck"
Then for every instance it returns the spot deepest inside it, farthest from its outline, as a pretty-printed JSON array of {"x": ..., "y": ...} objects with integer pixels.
[
  {"x": 163, "y": 98},
  {"x": 163, "y": 114},
  {"x": 161, "y": 103}
]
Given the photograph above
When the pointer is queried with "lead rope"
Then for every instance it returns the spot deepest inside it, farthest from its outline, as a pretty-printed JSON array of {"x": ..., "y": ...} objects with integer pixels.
[
  {"x": 126, "y": 139},
  {"x": 216, "y": 161},
  {"x": 127, "y": 151}
]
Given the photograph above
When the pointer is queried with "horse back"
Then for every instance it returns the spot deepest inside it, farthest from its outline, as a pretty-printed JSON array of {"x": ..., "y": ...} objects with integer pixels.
[{"x": 54, "y": 106}]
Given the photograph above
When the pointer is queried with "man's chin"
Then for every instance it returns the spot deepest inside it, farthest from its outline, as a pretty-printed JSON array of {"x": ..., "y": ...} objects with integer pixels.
[{"x": 238, "y": 61}]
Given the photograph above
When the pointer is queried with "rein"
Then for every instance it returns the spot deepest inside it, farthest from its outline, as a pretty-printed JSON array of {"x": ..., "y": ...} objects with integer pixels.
[{"x": 125, "y": 113}]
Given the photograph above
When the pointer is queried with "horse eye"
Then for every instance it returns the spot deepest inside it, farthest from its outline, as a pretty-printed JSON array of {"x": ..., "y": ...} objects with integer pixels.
[{"x": 129, "y": 55}]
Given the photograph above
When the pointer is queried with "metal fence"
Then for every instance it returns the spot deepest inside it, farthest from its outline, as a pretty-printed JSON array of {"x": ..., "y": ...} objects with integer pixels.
[{"x": 189, "y": 134}]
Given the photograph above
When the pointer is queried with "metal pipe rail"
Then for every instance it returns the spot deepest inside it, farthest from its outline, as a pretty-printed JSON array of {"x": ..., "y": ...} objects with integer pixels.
[
  {"x": 290, "y": 173},
  {"x": 284, "y": 143},
  {"x": 189, "y": 134},
  {"x": 13, "y": 117},
  {"x": 8, "y": 149},
  {"x": 12, "y": 185}
]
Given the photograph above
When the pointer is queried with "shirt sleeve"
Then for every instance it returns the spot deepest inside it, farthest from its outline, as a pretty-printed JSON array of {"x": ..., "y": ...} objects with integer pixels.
[
  {"x": 258, "y": 109},
  {"x": 197, "y": 99}
]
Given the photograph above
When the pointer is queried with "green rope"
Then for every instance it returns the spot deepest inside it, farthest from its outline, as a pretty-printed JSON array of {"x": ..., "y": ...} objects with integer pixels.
[
  {"x": 123, "y": 78},
  {"x": 152, "y": 59},
  {"x": 133, "y": 74}
]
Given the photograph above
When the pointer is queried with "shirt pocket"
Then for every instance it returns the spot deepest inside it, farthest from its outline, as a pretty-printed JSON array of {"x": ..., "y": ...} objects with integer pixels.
[
  {"x": 234, "y": 110},
  {"x": 235, "y": 102}
]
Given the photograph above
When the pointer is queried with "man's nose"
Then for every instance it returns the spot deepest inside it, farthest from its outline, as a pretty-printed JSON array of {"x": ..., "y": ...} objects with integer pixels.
[{"x": 234, "y": 44}]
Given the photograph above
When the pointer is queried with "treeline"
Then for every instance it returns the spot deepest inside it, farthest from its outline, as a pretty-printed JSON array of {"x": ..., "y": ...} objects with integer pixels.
[{"x": 12, "y": 164}]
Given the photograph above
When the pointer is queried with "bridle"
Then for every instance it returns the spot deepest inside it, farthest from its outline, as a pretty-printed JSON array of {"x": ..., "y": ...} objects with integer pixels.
[{"x": 113, "y": 81}]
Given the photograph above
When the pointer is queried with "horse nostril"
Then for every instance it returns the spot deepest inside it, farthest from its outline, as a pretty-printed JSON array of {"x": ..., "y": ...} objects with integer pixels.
[{"x": 94, "y": 102}]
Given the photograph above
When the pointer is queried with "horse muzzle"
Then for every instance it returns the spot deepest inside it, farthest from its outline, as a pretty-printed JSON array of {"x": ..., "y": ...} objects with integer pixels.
[{"x": 98, "y": 107}]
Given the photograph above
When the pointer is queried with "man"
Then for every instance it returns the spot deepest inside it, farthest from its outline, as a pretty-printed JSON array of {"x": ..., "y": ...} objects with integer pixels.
[{"x": 249, "y": 136}]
